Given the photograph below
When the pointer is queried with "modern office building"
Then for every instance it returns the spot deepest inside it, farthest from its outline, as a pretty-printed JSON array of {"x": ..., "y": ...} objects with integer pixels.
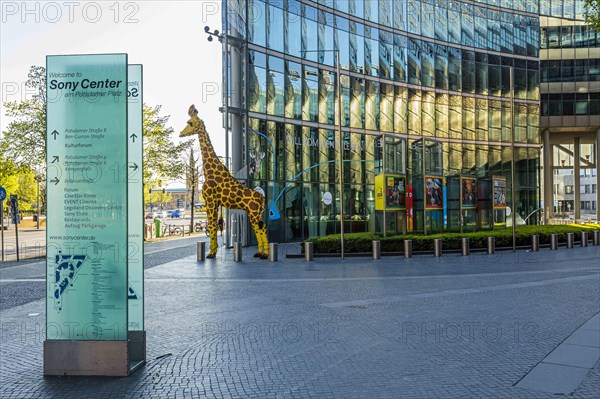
[
  {"x": 438, "y": 111},
  {"x": 570, "y": 117}
]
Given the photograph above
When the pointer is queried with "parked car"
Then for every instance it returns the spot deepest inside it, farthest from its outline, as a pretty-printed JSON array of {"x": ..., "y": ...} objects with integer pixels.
[
  {"x": 161, "y": 214},
  {"x": 176, "y": 214},
  {"x": 150, "y": 215},
  {"x": 169, "y": 213}
]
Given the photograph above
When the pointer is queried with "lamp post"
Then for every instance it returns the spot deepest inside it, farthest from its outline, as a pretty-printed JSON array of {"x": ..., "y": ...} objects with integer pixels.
[
  {"x": 340, "y": 138},
  {"x": 232, "y": 93}
]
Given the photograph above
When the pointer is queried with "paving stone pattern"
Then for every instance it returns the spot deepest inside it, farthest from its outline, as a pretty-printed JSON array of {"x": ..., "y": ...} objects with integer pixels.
[{"x": 453, "y": 327}]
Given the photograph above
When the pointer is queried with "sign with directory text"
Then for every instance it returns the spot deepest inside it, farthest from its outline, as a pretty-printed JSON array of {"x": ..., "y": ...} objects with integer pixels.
[{"x": 86, "y": 283}]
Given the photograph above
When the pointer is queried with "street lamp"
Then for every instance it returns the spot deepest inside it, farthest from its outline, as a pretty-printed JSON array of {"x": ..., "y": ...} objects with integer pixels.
[{"x": 341, "y": 139}]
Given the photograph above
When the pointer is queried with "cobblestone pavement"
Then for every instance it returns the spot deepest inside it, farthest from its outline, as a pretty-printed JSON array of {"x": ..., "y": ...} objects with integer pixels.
[{"x": 450, "y": 327}]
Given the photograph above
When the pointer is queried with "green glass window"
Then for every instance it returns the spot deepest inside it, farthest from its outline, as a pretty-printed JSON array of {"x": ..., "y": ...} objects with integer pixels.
[
  {"x": 468, "y": 118},
  {"x": 400, "y": 60},
  {"x": 455, "y": 117},
  {"x": 400, "y": 110},
  {"x": 441, "y": 67},
  {"x": 441, "y": 115},
  {"x": 414, "y": 112},
  {"x": 256, "y": 25},
  {"x": 428, "y": 114}
]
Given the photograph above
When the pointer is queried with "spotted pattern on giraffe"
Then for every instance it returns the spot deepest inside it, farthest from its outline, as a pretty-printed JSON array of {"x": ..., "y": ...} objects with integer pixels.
[{"x": 222, "y": 189}]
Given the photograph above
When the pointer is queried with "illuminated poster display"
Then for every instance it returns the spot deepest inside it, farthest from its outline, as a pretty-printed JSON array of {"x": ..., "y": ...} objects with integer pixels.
[
  {"x": 434, "y": 197},
  {"x": 390, "y": 192},
  {"x": 499, "y": 192},
  {"x": 86, "y": 282},
  {"x": 135, "y": 248},
  {"x": 468, "y": 192}
]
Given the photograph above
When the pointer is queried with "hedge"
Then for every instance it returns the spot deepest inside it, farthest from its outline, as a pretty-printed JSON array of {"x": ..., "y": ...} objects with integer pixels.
[{"x": 362, "y": 242}]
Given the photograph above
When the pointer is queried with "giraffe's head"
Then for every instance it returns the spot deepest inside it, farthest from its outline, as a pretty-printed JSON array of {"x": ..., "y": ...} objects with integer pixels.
[{"x": 195, "y": 125}]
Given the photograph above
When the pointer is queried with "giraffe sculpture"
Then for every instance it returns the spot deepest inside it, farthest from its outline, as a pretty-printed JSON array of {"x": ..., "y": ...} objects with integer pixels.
[{"x": 221, "y": 188}]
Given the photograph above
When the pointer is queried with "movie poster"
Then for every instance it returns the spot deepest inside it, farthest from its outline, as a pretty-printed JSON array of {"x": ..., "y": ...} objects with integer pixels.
[
  {"x": 469, "y": 190},
  {"x": 499, "y": 192},
  {"x": 395, "y": 192},
  {"x": 434, "y": 197}
]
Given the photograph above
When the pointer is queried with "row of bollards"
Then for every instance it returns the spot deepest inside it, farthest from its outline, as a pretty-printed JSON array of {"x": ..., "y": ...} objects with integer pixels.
[{"x": 408, "y": 248}]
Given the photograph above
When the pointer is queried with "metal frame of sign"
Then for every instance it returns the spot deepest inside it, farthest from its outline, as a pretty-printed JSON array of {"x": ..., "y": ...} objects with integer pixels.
[
  {"x": 135, "y": 199},
  {"x": 86, "y": 234}
]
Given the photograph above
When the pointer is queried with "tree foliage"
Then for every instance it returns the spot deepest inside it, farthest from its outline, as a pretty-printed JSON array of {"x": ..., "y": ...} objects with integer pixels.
[
  {"x": 162, "y": 157},
  {"x": 24, "y": 141},
  {"x": 20, "y": 180},
  {"x": 592, "y": 13}
]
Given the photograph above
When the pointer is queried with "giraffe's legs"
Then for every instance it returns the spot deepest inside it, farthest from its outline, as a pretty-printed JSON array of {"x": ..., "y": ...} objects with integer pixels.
[
  {"x": 211, "y": 215},
  {"x": 261, "y": 234}
]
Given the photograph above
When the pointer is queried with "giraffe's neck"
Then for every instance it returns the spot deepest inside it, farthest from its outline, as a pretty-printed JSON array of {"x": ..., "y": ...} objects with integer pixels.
[{"x": 208, "y": 152}]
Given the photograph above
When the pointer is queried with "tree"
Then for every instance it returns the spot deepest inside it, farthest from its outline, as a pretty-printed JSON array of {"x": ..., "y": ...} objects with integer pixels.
[
  {"x": 162, "y": 157},
  {"x": 24, "y": 141},
  {"x": 19, "y": 180},
  {"x": 592, "y": 13}
]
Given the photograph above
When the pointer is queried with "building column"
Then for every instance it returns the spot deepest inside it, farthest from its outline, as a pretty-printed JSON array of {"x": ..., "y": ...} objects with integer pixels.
[
  {"x": 577, "y": 178},
  {"x": 548, "y": 177},
  {"x": 597, "y": 163}
]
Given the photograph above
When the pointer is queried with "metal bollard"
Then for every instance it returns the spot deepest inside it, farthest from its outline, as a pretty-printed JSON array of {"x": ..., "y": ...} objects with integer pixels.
[
  {"x": 408, "y": 249},
  {"x": 465, "y": 246},
  {"x": 237, "y": 251},
  {"x": 272, "y": 252},
  {"x": 584, "y": 238},
  {"x": 437, "y": 247},
  {"x": 570, "y": 240},
  {"x": 597, "y": 237},
  {"x": 308, "y": 251},
  {"x": 491, "y": 245},
  {"x": 376, "y": 249},
  {"x": 535, "y": 242},
  {"x": 553, "y": 241},
  {"x": 201, "y": 251}
]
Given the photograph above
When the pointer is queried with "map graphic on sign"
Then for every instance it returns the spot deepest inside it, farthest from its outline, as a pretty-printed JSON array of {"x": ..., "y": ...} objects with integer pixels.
[{"x": 66, "y": 268}]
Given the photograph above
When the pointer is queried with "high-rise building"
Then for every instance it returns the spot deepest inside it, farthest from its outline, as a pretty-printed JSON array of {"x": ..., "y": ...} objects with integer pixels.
[{"x": 438, "y": 110}]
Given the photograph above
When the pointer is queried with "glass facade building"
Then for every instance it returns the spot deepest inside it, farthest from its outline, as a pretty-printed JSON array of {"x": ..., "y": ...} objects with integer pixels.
[
  {"x": 570, "y": 113},
  {"x": 426, "y": 94}
]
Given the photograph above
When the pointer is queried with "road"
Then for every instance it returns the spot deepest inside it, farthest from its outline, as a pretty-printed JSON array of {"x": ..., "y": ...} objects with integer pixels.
[{"x": 522, "y": 325}]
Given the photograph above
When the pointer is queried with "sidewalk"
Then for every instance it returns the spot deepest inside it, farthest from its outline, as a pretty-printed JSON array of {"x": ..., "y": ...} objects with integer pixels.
[
  {"x": 419, "y": 328},
  {"x": 32, "y": 243}
]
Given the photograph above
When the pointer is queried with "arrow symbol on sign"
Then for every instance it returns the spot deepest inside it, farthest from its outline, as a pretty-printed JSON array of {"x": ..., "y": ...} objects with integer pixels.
[
  {"x": 55, "y": 181},
  {"x": 55, "y": 133},
  {"x": 134, "y": 166},
  {"x": 55, "y": 159},
  {"x": 133, "y": 137}
]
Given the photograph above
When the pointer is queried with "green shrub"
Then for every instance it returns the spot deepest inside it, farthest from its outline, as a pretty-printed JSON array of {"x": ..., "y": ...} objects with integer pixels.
[{"x": 361, "y": 242}]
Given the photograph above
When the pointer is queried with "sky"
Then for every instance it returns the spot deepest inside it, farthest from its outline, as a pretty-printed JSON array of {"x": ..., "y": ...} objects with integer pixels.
[{"x": 181, "y": 67}]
